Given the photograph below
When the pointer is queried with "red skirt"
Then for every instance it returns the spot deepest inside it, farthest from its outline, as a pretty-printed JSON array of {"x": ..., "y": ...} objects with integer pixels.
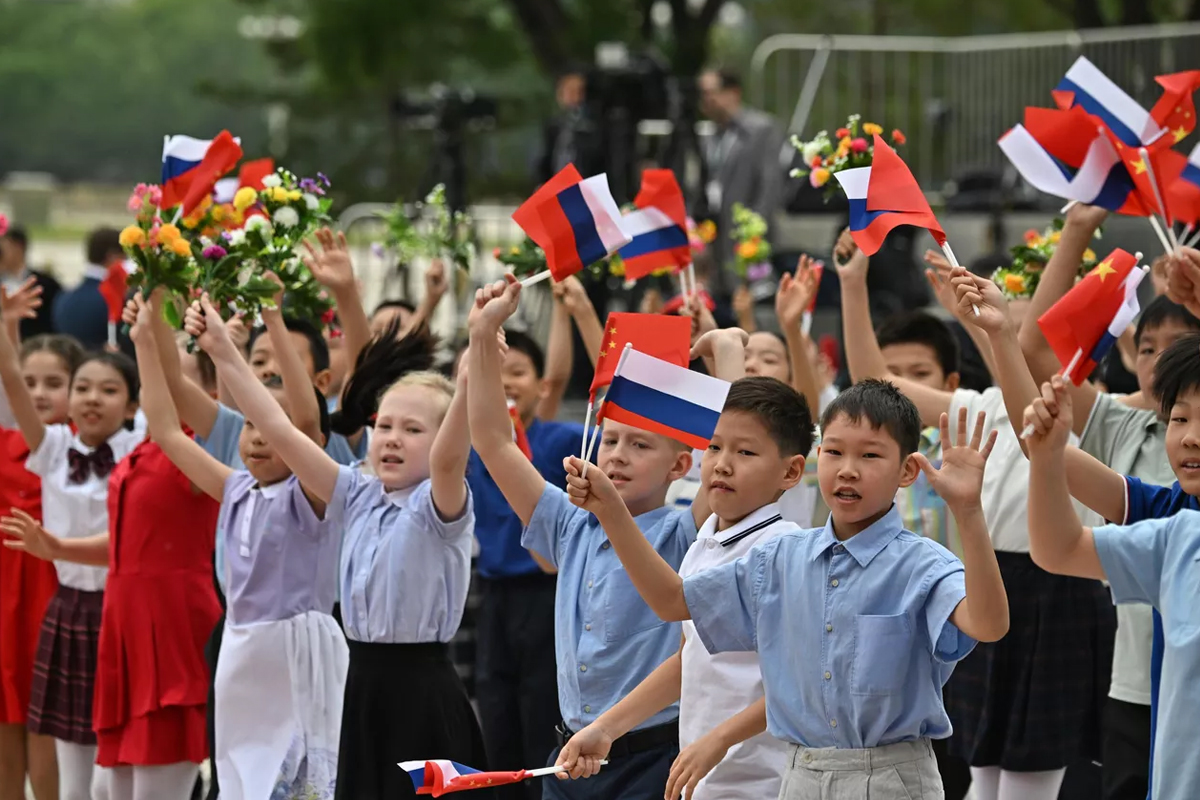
[
  {"x": 60, "y": 703},
  {"x": 151, "y": 677},
  {"x": 26, "y": 586}
]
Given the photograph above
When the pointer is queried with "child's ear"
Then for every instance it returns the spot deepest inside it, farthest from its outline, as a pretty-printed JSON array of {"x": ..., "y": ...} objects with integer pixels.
[
  {"x": 952, "y": 381},
  {"x": 543, "y": 388},
  {"x": 682, "y": 466},
  {"x": 795, "y": 471},
  {"x": 909, "y": 471},
  {"x": 322, "y": 380}
]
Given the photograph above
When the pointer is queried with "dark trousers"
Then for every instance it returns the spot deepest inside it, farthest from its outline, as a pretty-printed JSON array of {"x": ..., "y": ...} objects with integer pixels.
[
  {"x": 637, "y": 776},
  {"x": 516, "y": 676},
  {"x": 956, "y": 775},
  {"x": 1125, "y": 745}
]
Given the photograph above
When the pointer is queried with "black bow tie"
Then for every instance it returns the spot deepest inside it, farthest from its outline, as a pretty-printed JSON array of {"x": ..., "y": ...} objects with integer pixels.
[{"x": 99, "y": 462}]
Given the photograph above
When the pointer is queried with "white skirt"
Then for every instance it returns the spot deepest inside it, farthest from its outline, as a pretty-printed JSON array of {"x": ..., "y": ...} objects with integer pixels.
[{"x": 278, "y": 708}]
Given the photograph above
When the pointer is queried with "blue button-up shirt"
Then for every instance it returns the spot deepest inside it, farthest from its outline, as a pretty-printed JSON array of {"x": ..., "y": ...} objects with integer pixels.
[
  {"x": 606, "y": 639},
  {"x": 854, "y": 636},
  {"x": 497, "y": 527},
  {"x": 1157, "y": 562}
]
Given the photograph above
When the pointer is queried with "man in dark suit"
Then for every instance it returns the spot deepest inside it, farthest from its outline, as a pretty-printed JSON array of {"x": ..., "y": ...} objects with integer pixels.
[
  {"x": 82, "y": 312},
  {"x": 571, "y": 136},
  {"x": 14, "y": 271},
  {"x": 743, "y": 164}
]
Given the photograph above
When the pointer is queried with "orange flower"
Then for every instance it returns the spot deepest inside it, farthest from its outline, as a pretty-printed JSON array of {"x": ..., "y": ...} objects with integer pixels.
[
  {"x": 872, "y": 129},
  {"x": 167, "y": 234},
  {"x": 1032, "y": 237},
  {"x": 707, "y": 231},
  {"x": 819, "y": 177},
  {"x": 842, "y": 133},
  {"x": 180, "y": 247},
  {"x": 1014, "y": 283},
  {"x": 898, "y": 137},
  {"x": 748, "y": 250}
]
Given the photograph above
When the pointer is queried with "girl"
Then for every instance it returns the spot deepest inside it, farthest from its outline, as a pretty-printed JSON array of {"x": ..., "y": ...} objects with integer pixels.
[
  {"x": 283, "y": 659},
  {"x": 159, "y": 606},
  {"x": 74, "y": 466},
  {"x": 26, "y": 583},
  {"x": 405, "y": 562}
]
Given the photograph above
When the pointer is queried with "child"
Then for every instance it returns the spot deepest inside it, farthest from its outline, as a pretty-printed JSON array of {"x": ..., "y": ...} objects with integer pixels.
[
  {"x": 722, "y": 712},
  {"x": 404, "y": 565},
  {"x": 1018, "y": 723},
  {"x": 1151, "y": 562},
  {"x": 606, "y": 640},
  {"x": 279, "y": 681},
  {"x": 857, "y": 694},
  {"x": 74, "y": 463},
  {"x": 159, "y": 608},
  {"x": 46, "y": 365}
]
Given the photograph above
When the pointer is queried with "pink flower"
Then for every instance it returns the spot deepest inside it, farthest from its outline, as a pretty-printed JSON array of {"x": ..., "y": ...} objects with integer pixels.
[
  {"x": 3, "y": 224},
  {"x": 496, "y": 253},
  {"x": 155, "y": 195},
  {"x": 214, "y": 252},
  {"x": 858, "y": 145},
  {"x": 135, "y": 202}
]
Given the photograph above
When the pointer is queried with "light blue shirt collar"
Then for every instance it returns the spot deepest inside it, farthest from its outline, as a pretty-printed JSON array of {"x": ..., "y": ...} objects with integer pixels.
[{"x": 867, "y": 543}]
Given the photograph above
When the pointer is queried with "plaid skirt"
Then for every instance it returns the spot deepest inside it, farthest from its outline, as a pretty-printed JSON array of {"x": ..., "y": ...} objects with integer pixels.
[
  {"x": 1033, "y": 701},
  {"x": 64, "y": 672}
]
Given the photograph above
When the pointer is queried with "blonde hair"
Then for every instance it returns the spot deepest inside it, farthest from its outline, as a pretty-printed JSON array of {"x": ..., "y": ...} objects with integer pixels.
[{"x": 426, "y": 379}]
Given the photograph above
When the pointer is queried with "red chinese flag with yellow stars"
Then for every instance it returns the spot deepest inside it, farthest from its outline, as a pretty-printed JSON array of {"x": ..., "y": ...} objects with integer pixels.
[{"x": 658, "y": 335}]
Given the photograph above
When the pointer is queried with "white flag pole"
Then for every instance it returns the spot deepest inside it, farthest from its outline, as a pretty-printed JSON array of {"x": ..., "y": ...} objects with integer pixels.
[
  {"x": 954, "y": 263},
  {"x": 587, "y": 421},
  {"x": 537, "y": 277},
  {"x": 599, "y": 411},
  {"x": 1067, "y": 207},
  {"x": 1162, "y": 236},
  {"x": 1159, "y": 199},
  {"x": 543, "y": 771}
]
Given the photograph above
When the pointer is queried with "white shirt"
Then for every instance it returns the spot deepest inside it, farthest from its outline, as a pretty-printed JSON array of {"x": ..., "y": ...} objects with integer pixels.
[
  {"x": 75, "y": 511},
  {"x": 717, "y": 687},
  {"x": 1006, "y": 479}
]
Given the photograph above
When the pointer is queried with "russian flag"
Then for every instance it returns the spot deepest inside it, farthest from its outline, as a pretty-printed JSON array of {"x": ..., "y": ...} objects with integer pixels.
[
  {"x": 183, "y": 157},
  {"x": 660, "y": 397},
  {"x": 575, "y": 221},
  {"x": 1125, "y": 315},
  {"x": 1086, "y": 86},
  {"x": 1101, "y": 180},
  {"x": 884, "y": 196},
  {"x": 658, "y": 229},
  {"x": 441, "y": 777},
  {"x": 250, "y": 174}
]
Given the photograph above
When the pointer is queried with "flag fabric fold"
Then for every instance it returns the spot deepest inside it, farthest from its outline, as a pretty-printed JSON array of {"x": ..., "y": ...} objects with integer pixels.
[
  {"x": 1103, "y": 99},
  {"x": 658, "y": 228},
  {"x": 1176, "y": 108},
  {"x": 664, "y": 398},
  {"x": 884, "y": 196},
  {"x": 220, "y": 158},
  {"x": 250, "y": 174},
  {"x": 1083, "y": 325},
  {"x": 113, "y": 289},
  {"x": 440, "y": 777},
  {"x": 182, "y": 158},
  {"x": 659, "y": 335}
]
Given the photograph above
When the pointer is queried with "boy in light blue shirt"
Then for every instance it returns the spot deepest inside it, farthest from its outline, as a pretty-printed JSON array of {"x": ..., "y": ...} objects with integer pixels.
[
  {"x": 607, "y": 640},
  {"x": 857, "y": 625}
]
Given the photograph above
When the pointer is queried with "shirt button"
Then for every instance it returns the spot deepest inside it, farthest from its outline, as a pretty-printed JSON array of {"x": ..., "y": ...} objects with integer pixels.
[
  {"x": 589, "y": 584},
  {"x": 833, "y": 723},
  {"x": 828, "y": 628},
  {"x": 837, "y": 548},
  {"x": 807, "y": 758},
  {"x": 832, "y": 583},
  {"x": 604, "y": 546},
  {"x": 587, "y": 709},
  {"x": 583, "y": 667},
  {"x": 587, "y": 627},
  {"x": 828, "y": 676}
]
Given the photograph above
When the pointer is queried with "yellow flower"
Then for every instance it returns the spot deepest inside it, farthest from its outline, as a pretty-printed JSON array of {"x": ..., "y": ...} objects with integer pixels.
[
  {"x": 819, "y": 177},
  {"x": 748, "y": 250},
  {"x": 278, "y": 194},
  {"x": 871, "y": 129},
  {"x": 516, "y": 251},
  {"x": 167, "y": 234},
  {"x": 707, "y": 231},
  {"x": 845, "y": 142},
  {"x": 180, "y": 247},
  {"x": 294, "y": 195},
  {"x": 133, "y": 236},
  {"x": 1089, "y": 255},
  {"x": 244, "y": 198},
  {"x": 1054, "y": 237},
  {"x": 617, "y": 267},
  {"x": 1014, "y": 283},
  {"x": 191, "y": 221}
]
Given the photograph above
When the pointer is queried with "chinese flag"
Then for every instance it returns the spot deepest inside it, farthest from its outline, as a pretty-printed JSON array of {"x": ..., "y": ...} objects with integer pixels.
[
  {"x": 222, "y": 156},
  {"x": 1081, "y": 318},
  {"x": 1161, "y": 166},
  {"x": 252, "y": 173},
  {"x": 1175, "y": 109},
  {"x": 664, "y": 337},
  {"x": 113, "y": 289}
]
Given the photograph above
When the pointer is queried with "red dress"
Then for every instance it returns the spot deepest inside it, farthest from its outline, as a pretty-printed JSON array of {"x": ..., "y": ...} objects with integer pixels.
[
  {"x": 159, "y": 609},
  {"x": 26, "y": 583}
]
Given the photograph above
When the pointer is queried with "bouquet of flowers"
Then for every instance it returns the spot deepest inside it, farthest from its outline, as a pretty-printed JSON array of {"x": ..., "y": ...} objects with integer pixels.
[
  {"x": 1021, "y": 278},
  {"x": 752, "y": 254},
  {"x": 850, "y": 147},
  {"x": 450, "y": 237},
  {"x": 164, "y": 257},
  {"x": 523, "y": 259},
  {"x": 701, "y": 236}
]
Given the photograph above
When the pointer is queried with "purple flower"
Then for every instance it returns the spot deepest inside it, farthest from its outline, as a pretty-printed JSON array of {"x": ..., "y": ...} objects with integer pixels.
[
  {"x": 758, "y": 272},
  {"x": 321, "y": 175},
  {"x": 377, "y": 249},
  {"x": 214, "y": 252},
  {"x": 311, "y": 186}
]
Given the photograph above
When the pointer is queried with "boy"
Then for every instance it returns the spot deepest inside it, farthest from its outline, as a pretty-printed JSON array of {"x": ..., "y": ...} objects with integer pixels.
[
  {"x": 606, "y": 640},
  {"x": 857, "y": 692},
  {"x": 722, "y": 713},
  {"x": 1152, "y": 561}
]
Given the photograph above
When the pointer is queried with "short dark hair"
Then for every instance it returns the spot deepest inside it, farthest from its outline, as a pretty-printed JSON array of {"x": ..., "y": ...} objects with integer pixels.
[
  {"x": 386, "y": 358},
  {"x": 882, "y": 405},
  {"x": 524, "y": 343},
  {"x": 318, "y": 348},
  {"x": 781, "y": 409},
  {"x": 1160, "y": 311},
  {"x": 1177, "y": 371},
  {"x": 17, "y": 234},
  {"x": 920, "y": 327},
  {"x": 66, "y": 348},
  {"x": 102, "y": 243},
  {"x": 729, "y": 78},
  {"x": 386, "y": 304}
]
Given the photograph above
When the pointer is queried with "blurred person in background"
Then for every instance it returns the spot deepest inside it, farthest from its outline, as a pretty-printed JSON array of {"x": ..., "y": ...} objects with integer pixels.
[
  {"x": 81, "y": 312},
  {"x": 14, "y": 271}
]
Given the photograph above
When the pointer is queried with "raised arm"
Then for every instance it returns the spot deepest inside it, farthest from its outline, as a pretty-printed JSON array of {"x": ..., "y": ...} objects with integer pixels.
[
  {"x": 938, "y": 276},
  {"x": 863, "y": 354},
  {"x": 791, "y": 301},
  {"x": 449, "y": 454},
  {"x": 435, "y": 288},
  {"x": 334, "y": 270},
  {"x": 317, "y": 472},
  {"x": 196, "y": 407},
  {"x": 19, "y": 400},
  {"x": 24, "y": 533},
  {"x": 1056, "y": 281},
  {"x": 1058, "y": 541},
  {"x": 1183, "y": 279},
  {"x": 491, "y": 426},
  {"x": 297, "y": 386},
  {"x": 560, "y": 357},
  {"x": 22, "y": 303},
  {"x": 208, "y": 474},
  {"x": 587, "y": 322}
]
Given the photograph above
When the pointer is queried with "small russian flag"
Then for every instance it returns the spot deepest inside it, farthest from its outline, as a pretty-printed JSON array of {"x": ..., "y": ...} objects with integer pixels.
[
  {"x": 884, "y": 196},
  {"x": 660, "y": 397},
  {"x": 183, "y": 157},
  {"x": 658, "y": 229},
  {"x": 575, "y": 221},
  {"x": 441, "y": 777},
  {"x": 1085, "y": 85}
]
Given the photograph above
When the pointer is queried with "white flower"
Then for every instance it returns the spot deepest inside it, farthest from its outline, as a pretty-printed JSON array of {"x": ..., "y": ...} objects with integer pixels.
[
  {"x": 236, "y": 237},
  {"x": 811, "y": 150},
  {"x": 311, "y": 201},
  {"x": 272, "y": 181},
  {"x": 287, "y": 217},
  {"x": 262, "y": 224}
]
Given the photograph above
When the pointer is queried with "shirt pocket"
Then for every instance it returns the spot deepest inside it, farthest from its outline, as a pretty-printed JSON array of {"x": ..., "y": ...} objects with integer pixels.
[
  {"x": 625, "y": 612},
  {"x": 881, "y": 653}
]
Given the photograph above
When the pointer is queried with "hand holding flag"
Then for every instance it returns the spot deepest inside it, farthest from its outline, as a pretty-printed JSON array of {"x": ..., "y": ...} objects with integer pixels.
[{"x": 440, "y": 776}]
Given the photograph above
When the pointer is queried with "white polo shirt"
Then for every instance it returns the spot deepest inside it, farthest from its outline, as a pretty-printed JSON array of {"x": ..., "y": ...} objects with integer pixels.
[{"x": 717, "y": 687}]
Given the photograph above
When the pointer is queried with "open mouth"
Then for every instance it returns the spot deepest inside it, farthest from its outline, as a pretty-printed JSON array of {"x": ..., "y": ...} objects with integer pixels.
[
  {"x": 90, "y": 417},
  {"x": 1190, "y": 465},
  {"x": 618, "y": 478},
  {"x": 392, "y": 460},
  {"x": 847, "y": 495}
]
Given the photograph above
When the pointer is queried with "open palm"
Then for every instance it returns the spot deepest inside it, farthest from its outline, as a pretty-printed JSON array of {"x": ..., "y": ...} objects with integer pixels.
[
  {"x": 28, "y": 535},
  {"x": 959, "y": 480}
]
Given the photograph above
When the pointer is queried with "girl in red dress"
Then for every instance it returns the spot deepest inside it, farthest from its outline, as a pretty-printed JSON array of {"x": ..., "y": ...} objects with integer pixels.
[{"x": 27, "y": 583}]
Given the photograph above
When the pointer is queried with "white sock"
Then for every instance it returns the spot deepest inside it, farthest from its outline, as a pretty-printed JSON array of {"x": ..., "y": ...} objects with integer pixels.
[
  {"x": 76, "y": 764},
  {"x": 165, "y": 782},
  {"x": 985, "y": 783},
  {"x": 1031, "y": 785},
  {"x": 120, "y": 783}
]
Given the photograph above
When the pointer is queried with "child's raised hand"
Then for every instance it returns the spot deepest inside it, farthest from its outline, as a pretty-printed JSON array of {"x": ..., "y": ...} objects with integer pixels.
[
  {"x": 332, "y": 266},
  {"x": 850, "y": 262},
  {"x": 1183, "y": 279},
  {"x": 709, "y": 343},
  {"x": 23, "y": 302},
  {"x": 276, "y": 298},
  {"x": 435, "y": 281},
  {"x": 591, "y": 493},
  {"x": 972, "y": 291},
  {"x": 495, "y": 303},
  {"x": 795, "y": 293},
  {"x": 143, "y": 317},
  {"x": 1049, "y": 419},
  {"x": 28, "y": 536},
  {"x": 206, "y": 326},
  {"x": 959, "y": 481}
]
